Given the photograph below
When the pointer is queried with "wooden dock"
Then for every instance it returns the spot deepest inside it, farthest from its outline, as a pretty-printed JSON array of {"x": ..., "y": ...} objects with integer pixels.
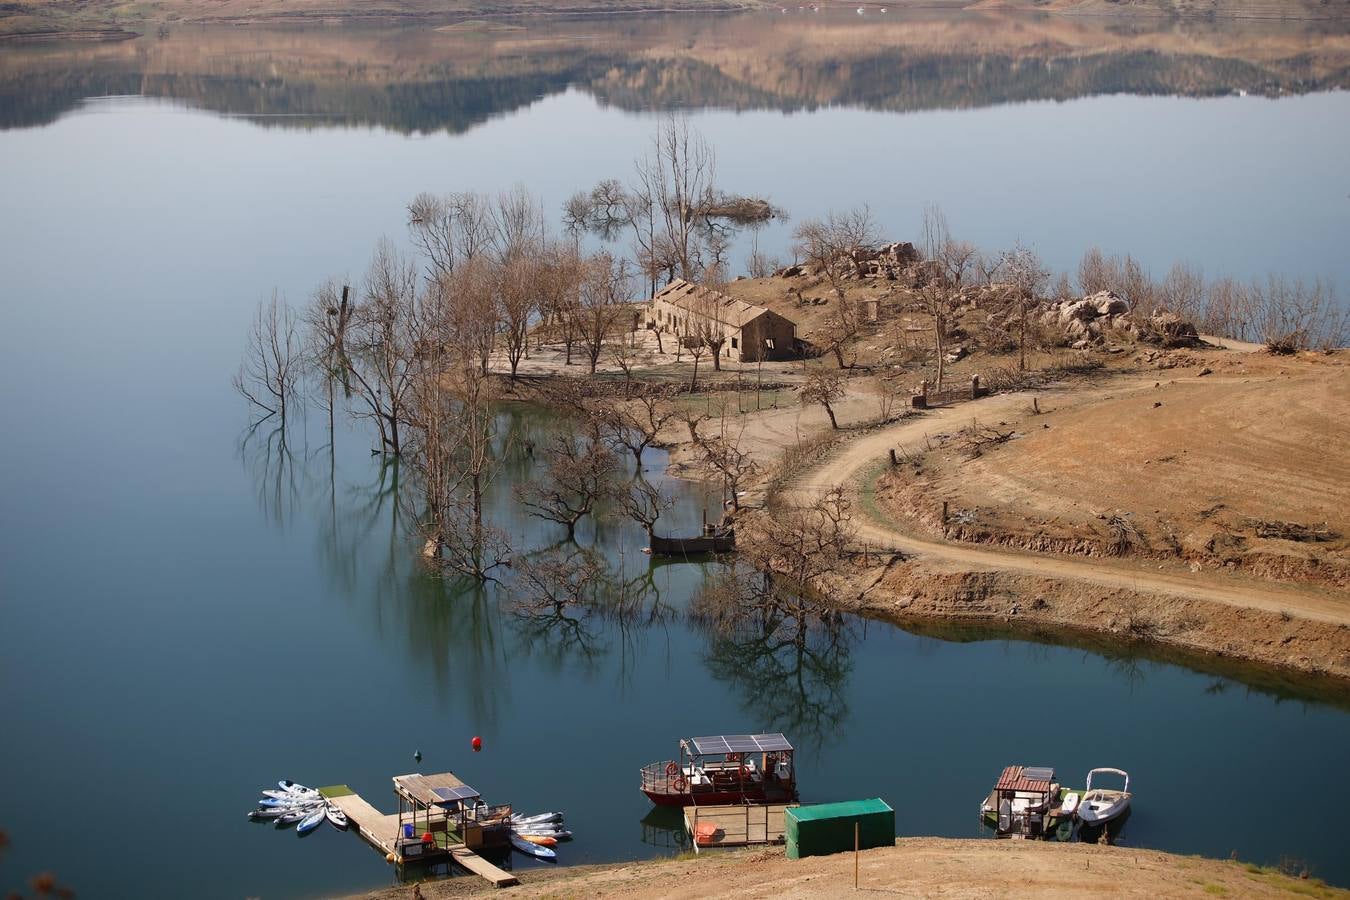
[
  {"x": 736, "y": 825},
  {"x": 380, "y": 830}
]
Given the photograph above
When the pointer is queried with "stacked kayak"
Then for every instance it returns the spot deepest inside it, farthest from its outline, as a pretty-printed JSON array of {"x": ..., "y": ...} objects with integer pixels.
[
  {"x": 294, "y": 804},
  {"x": 537, "y": 835}
]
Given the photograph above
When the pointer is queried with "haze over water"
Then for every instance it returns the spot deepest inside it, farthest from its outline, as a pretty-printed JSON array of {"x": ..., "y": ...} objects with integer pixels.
[{"x": 188, "y": 613}]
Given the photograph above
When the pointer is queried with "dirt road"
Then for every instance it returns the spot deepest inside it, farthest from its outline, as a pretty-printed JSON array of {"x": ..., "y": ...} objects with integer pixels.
[{"x": 855, "y": 464}]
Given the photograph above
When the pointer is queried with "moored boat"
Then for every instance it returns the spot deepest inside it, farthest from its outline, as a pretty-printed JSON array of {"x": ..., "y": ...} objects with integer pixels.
[
  {"x": 312, "y": 820},
  {"x": 336, "y": 817},
  {"x": 1101, "y": 805},
  {"x": 525, "y": 846},
  {"x": 719, "y": 769}
]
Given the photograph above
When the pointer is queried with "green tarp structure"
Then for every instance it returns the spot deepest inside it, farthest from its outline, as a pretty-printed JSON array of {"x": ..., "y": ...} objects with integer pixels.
[{"x": 828, "y": 827}]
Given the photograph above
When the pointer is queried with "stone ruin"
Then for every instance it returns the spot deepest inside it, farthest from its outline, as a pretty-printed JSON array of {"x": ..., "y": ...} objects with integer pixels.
[
  {"x": 898, "y": 261},
  {"x": 1088, "y": 320}
]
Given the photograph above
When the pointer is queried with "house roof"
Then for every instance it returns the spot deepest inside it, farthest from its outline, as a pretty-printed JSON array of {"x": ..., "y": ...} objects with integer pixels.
[{"x": 715, "y": 305}]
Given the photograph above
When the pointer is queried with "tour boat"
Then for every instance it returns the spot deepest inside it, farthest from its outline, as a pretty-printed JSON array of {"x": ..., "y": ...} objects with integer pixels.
[
  {"x": 1101, "y": 805},
  {"x": 727, "y": 768}
]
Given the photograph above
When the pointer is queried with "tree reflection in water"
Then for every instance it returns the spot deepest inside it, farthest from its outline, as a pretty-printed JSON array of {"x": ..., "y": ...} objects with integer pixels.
[{"x": 792, "y": 671}]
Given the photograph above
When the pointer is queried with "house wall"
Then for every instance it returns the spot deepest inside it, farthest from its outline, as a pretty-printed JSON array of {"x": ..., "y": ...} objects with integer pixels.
[{"x": 741, "y": 343}]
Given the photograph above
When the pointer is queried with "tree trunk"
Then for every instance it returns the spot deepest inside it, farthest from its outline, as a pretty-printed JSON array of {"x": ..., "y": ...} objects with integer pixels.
[
  {"x": 717, "y": 358},
  {"x": 693, "y": 384},
  {"x": 829, "y": 410},
  {"x": 938, "y": 330}
]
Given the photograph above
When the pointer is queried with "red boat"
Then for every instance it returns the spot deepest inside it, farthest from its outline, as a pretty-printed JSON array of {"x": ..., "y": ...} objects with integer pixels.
[{"x": 724, "y": 768}]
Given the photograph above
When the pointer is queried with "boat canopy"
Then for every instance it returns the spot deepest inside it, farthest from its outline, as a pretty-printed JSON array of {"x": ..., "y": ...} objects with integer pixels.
[{"x": 738, "y": 743}]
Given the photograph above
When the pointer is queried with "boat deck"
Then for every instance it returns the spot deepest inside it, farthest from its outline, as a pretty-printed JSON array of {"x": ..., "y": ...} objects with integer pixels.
[
  {"x": 380, "y": 830},
  {"x": 737, "y": 824}
]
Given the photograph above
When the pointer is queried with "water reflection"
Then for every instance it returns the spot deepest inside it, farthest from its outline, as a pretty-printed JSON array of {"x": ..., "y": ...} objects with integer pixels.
[{"x": 424, "y": 79}]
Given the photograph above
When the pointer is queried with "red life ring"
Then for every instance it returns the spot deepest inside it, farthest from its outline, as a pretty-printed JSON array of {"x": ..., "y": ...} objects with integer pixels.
[
  {"x": 681, "y": 784},
  {"x": 735, "y": 757},
  {"x": 672, "y": 769}
]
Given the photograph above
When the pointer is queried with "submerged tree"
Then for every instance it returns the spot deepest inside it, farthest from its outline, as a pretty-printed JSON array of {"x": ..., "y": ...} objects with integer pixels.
[
  {"x": 269, "y": 377},
  {"x": 577, "y": 475}
]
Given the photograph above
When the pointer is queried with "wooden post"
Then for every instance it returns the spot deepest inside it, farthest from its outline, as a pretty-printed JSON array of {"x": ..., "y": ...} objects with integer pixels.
[
  {"x": 974, "y": 387},
  {"x": 894, "y": 460},
  {"x": 856, "y": 843},
  {"x": 944, "y": 518}
]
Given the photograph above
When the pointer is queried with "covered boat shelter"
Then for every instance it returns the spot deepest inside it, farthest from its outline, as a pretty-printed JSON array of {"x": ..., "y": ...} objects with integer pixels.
[
  {"x": 1022, "y": 796},
  {"x": 715, "y": 760},
  {"x": 449, "y": 810}
]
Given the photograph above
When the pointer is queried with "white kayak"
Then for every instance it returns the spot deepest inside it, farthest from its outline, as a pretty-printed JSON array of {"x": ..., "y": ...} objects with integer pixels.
[
  {"x": 268, "y": 812},
  {"x": 561, "y": 834},
  {"x": 312, "y": 821},
  {"x": 290, "y": 796},
  {"x": 525, "y": 846},
  {"x": 336, "y": 817},
  {"x": 540, "y": 819},
  {"x": 287, "y": 785}
]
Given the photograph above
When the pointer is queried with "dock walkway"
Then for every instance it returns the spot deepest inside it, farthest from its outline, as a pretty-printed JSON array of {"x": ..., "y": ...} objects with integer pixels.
[
  {"x": 380, "y": 830},
  {"x": 736, "y": 825}
]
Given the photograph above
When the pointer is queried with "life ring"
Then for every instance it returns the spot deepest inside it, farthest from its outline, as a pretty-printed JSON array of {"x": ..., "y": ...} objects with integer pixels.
[
  {"x": 681, "y": 784},
  {"x": 672, "y": 769},
  {"x": 735, "y": 757},
  {"x": 742, "y": 772}
]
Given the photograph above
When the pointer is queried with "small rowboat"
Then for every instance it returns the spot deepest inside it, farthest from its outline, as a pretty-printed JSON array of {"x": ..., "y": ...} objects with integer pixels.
[
  {"x": 525, "y": 846},
  {"x": 336, "y": 817}
]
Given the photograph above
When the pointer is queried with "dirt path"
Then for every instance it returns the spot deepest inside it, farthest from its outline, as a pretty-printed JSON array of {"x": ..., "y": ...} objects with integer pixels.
[{"x": 855, "y": 463}]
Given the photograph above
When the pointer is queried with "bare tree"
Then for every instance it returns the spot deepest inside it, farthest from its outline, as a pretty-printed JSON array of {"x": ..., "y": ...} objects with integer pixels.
[
  {"x": 825, "y": 388},
  {"x": 830, "y": 245},
  {"x": 937, "y": 295},
  {"x": 383, "y": 343},
  {"x": 269, "y": 376},
  {"x": 577, "y": 474},
  {"x": 678, "y": 177},
  {"x": 603, "y": 303},
  {"x": 518, "y": 280},
  {"x": 1026, "y": 278},
  {"x": 636, "y": 424}
]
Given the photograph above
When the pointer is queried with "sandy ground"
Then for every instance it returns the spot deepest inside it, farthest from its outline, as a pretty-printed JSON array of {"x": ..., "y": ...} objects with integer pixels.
[
  {"x": 915, "y": 867},
  {"x": 855, "y": 460}
]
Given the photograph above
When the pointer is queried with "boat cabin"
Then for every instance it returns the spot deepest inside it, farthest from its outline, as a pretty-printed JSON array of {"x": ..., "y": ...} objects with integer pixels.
[
  {"x": 436, "y": 812},
  {"x": 1021, "y": 802},
  {"x": 724, "y": 768}
]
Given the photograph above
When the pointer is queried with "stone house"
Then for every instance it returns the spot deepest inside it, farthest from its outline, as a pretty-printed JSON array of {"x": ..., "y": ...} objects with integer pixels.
[{"x": 750, "y": 333}]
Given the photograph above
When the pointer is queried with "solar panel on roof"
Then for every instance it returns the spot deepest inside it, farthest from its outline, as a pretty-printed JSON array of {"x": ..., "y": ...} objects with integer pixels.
[
  {"x": 1038, "y": 773},
  {"x": 740, "y": 743},
  {"x": 455, "y": 794}
]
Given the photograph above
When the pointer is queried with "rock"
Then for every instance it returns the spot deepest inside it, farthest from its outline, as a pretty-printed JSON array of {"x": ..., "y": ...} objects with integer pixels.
[
  {"x": 1107, "y": 303},
  {"x": 1080, "y": 345},
  {"x": 1203, "y": 372}
]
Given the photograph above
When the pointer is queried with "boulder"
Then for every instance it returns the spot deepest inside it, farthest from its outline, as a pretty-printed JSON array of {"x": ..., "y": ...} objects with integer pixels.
[{"x": 1108, "y": 303}]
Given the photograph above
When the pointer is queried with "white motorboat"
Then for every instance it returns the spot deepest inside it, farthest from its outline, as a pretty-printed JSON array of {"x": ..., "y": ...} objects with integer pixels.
[
  {"x": 1100, "y": 805},
  {"x": 336, "y": 817}
]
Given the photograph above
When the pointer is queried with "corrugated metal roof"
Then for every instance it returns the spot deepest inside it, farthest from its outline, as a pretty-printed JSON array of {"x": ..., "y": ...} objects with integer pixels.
[
  {"x": 702, "y": 301},
  {"x": 1019, "y": 778}
]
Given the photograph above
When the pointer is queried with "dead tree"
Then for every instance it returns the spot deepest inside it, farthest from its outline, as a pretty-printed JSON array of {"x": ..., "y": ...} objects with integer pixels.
[
  {"x": 636, "y": 424},
  {"x": 269, "y": 376},
  {"x": 603, "y": 303},
  {"x": 1026, "y": 279},
  {"x": 577, "y": 475},
  {"x": 825, "y": 388}
]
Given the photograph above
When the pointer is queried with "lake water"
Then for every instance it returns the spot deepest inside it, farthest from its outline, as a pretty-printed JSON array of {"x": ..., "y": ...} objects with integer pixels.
[{"x": 187, "y": 613}]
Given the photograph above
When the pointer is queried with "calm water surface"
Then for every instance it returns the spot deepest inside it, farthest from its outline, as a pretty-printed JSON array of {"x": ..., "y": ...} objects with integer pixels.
[{"x": 189, "y": 612}]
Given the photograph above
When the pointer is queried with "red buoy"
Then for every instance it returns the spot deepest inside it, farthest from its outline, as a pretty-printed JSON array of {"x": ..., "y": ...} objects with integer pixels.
[{"x": 477, "y": 743}]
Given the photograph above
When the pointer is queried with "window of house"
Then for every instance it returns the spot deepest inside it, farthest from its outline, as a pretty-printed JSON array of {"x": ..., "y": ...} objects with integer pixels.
[{"x": 734, "y": 345}]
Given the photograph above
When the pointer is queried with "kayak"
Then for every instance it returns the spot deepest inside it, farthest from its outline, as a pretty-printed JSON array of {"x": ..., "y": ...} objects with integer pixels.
[
  {"x": 525, "y": 846},
  {"x": 312, "y": 821},
  {"x": 288, "y": 785},
  {"x": 540, "y": 819},
  {"x": 336, "y": 816},
  {"x": 268, "y": 813},
  {"x": 290, "y": 796},
  {"x": 546, "y": 831},
  {"x": 541, "y": 840}
]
